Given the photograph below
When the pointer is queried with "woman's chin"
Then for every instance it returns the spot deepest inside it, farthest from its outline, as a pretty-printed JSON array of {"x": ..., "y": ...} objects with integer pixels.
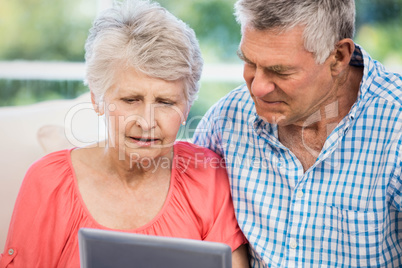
[{"x": 145, "y": 155}]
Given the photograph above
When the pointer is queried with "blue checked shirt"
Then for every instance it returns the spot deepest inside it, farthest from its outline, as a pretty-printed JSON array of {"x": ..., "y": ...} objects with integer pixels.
[{"x": 344, "y": 211}]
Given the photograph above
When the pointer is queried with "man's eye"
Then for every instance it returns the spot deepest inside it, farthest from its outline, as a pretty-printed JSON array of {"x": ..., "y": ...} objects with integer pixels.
[
  {"x": 249, "y": 64},
  {"x": 169, "y": 103},
  {"x": 283, "y": 75}
]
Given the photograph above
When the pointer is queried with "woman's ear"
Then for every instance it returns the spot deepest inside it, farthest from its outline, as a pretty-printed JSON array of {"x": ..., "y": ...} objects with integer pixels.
[
  {"x": 185, "y": 115},
  {"x": 98, "y": 107},
  {"x": 187, "y": 112},
  {"x": 343, "y": 53}
]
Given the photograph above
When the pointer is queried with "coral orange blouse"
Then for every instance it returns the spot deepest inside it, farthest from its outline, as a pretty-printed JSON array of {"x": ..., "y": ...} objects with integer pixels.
[{"x": 49, "y": 209}]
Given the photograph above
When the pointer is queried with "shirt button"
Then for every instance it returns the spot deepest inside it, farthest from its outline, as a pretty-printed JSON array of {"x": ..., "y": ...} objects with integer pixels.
[
  {"x": 281, "y": 165},
  {"x": 299, "y": 194},
  {"x": 10, "y": 251},
  {"x": 293, "y": 244}
]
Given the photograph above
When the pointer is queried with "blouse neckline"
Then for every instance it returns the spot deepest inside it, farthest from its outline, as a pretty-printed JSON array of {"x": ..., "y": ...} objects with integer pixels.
[{"x": 135, "y": 230}]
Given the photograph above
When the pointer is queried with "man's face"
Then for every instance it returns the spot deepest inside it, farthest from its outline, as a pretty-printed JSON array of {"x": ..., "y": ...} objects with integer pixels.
[{"x": 285, "y": 82}]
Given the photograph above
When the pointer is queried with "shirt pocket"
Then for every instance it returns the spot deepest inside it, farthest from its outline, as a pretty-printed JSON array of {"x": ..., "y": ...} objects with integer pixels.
[{"x": 350, "y": 238}]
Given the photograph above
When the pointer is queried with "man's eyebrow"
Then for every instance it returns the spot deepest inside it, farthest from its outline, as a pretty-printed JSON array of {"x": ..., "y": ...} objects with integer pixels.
[
  {"x": 280, "y": 68},
  {"x": 241, "y": 55},
  {"x": 273, "y": 68}
]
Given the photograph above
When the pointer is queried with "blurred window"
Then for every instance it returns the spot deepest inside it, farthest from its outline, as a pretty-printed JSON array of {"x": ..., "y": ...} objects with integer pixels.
[{"x": 51, "y": 32}]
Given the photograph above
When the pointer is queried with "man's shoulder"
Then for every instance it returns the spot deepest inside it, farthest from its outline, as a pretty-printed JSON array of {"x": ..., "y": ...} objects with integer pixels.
[
  {"x": 379, "y": 82},
  {"x": 381, "y": 99},
  {"x": 232, "y": 111},
  {"x": 237, "y": 100},
  {"x": 239, "y": 93},
  {"x": 388, "y": 86}
]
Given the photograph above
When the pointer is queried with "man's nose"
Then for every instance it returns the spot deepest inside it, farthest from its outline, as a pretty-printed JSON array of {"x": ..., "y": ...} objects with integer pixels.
[{"x": 259, "y": 82}]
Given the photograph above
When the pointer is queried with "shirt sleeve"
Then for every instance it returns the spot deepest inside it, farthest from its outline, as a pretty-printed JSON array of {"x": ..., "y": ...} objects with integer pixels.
[
  {"x": 35, "y": 236},
  {"x": 225, "y": 225},
  {"x": 206, "y": 134},
  {"x": 395, "y": 186}
]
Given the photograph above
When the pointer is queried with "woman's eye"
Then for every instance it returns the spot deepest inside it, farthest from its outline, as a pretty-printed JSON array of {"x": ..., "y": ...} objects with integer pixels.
[{"x": 128, "y": 100}]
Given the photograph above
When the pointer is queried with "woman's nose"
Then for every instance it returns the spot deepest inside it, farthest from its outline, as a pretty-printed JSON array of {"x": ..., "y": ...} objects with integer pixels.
[{"x": 146, "y": 120}]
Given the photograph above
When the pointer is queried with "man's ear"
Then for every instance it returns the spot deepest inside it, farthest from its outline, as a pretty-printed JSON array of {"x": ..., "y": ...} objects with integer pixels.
[
  {"x": 343, "y": 53},
  {"x": 98, "y": 107}
]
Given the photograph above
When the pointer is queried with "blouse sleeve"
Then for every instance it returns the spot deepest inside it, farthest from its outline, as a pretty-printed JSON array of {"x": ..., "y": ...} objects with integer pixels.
[
  {"x": 209, "y": 194},
  {"x": 37, "y": 228},
  {"x": 225, "y": 226}
]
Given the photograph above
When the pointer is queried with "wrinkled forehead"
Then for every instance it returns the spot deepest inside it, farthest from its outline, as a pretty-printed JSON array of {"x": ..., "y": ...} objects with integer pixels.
[{"x": 130, "y": 81}]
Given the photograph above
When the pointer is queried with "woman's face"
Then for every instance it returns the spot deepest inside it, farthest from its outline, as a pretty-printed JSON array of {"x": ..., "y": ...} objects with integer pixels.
[{"x": 143, "y": 116}]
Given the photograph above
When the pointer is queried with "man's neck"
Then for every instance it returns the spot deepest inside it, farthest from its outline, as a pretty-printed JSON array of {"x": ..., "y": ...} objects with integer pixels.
[{"x": 307, "y": 138}]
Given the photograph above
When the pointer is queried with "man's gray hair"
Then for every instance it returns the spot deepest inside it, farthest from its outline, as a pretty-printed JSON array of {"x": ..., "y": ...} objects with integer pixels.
[
  {"x": 326, "y": 22},
  {"x": 143, "y": 35}
]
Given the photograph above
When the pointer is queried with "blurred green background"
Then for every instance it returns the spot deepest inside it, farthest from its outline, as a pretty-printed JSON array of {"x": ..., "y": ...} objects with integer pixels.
[{"x": 55, "y": 30}]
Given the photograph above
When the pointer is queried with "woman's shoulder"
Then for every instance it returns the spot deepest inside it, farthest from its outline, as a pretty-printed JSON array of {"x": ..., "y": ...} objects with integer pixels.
[
  {"x": 197, "y": 164},
  {"x": 201, "y": 181},
  {"x": 195, "y": 152},
  {"x": 52, "y": 160},
  {"x": 50, "y": 168}
]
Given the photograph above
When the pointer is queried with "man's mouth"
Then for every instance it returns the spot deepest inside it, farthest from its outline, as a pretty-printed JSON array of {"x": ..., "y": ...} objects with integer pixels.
[{"x": 271, "y": 102}]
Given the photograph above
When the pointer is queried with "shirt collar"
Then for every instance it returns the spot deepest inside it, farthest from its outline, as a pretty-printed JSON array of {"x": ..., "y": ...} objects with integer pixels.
[{"x": 361, "y": 58}]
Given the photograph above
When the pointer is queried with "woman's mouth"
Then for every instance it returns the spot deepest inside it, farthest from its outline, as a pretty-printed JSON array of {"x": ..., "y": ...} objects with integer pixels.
[{"x": 143, "y": 141}]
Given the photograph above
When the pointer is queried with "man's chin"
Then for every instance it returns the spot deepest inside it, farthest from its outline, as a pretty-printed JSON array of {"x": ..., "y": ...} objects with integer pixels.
[{"x": 275, "y": 119}]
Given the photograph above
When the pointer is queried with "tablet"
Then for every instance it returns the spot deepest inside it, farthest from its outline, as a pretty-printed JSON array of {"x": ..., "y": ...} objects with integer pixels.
[{"x": 102, "y": 248}]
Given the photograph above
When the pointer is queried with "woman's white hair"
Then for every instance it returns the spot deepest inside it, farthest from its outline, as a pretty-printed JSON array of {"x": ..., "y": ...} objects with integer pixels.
[
  {"x": 326, "y": 22},
  {"x": 143, "y": 35}
]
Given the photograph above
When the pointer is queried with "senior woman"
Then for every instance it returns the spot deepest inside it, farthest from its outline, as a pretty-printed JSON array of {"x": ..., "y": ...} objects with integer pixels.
[{"x": 143, "y": 67}]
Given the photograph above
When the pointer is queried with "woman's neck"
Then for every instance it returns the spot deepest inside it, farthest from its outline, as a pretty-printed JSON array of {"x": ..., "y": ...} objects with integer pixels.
[{"x": 132, "y": 171}]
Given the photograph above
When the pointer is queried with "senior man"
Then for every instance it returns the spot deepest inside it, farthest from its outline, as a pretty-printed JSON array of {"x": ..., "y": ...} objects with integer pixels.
[{"x": 312, "y": 141}]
